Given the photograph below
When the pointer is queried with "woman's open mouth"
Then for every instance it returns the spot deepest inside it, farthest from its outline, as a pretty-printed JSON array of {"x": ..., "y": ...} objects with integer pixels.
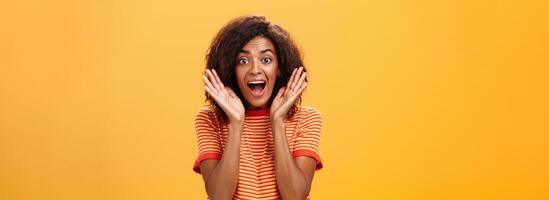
[{"x": 257, "y": 88}]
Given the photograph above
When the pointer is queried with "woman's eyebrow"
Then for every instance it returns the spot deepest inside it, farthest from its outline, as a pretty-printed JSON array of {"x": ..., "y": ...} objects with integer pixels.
[
  {"x": 262, "y": 51},
  {"x": 267, "y": 50}
]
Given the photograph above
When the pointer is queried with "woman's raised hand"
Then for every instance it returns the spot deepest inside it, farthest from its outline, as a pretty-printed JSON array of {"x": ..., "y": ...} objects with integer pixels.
[
  {"x": 224, "y": 96},
  {"x": 287, "y": 96}
]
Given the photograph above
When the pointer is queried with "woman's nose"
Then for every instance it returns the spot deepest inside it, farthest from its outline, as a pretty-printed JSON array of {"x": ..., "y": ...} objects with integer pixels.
[{"x": 256, "y": 68}]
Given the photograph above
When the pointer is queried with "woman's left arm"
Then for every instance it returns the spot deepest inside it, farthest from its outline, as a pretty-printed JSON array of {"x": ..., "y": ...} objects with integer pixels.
[{"x": 293, "y": 175}]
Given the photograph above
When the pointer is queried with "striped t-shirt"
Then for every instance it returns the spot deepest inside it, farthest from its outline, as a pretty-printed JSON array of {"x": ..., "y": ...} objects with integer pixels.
[{"x": 256, "y": 177}]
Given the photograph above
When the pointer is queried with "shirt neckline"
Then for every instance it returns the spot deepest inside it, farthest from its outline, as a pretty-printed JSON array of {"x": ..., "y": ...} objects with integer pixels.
[{"x": 258, "y": 112}]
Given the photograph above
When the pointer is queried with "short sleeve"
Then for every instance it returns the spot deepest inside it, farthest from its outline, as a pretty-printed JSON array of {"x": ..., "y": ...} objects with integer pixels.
[
  {"x": 308, "y": 136},
  {"x": 209, "y": 144}
]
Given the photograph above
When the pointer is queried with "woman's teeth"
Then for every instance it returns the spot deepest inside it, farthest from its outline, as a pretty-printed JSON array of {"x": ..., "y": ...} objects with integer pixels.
[
  {"x": 257, "y": 87},
  {"x": 256, "y": 82}
]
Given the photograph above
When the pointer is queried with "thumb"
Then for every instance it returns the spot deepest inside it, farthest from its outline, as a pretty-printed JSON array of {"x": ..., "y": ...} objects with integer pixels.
[{"x": 280, "y": 92}]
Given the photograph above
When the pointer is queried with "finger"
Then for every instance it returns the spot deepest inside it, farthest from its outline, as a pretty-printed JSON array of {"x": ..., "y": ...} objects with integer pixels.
[
  {"x": 286, "y": 91},
  {"x": 219, "y": 82},
  {"x": 218, "y": 79},
  {"x": 296, "y": 77},
  {"x": 300, "y": 90},
  {"x": 291, "y": 78},
  {"x": 280, "y": 92},
  {"x": 219, "y": 100},
  {"x": 211, "y": 93},
  {"x": 293, "y": 96},
  {"x": 208, "y": 84},
  {"x": 289, "y": 85},
  {"x": 300, "y": 81},
  {"x": 212, "y": 80},
  {"x": 216, "y": 98}
]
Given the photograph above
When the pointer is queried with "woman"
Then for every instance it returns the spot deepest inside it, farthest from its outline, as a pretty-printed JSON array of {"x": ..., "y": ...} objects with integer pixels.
[{"x": 255, "y": 140}]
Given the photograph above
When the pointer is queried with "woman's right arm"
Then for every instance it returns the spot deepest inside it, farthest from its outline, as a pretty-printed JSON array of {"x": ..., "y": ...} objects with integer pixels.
[{"x": 221, "y": 177}]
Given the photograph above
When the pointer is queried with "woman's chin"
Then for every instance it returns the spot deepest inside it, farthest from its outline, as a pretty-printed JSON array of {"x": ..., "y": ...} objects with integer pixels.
[{"x": 256, "y": 104}]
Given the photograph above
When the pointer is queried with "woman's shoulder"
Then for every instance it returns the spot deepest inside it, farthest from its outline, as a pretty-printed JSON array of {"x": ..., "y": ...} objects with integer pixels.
[
  {"x": 206, "y": 113},
  {"x": 308, "y": 117},
  {"x": 306, "y": 112}
]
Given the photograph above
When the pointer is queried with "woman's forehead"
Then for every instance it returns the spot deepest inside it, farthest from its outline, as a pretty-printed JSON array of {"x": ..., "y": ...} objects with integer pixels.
[{"x": 258, "y": 45}]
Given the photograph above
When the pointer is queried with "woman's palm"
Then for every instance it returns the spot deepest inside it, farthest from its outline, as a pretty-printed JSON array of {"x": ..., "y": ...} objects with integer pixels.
[
  {"x": 287, "y": 96},
  {"x": 224, "y": 97}
]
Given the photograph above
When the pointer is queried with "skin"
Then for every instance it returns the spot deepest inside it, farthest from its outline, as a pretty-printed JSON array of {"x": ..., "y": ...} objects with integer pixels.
[{"x": 257, "y": 60}]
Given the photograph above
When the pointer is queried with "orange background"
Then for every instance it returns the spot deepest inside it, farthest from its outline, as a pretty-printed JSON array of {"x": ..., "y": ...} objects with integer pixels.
[{"x": 420, "y": 99}]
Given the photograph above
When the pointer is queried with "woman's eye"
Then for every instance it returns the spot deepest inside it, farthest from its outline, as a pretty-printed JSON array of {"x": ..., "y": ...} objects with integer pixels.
[
  {"x": 243, "y": 61},
  {"x": 267, "y": 60}
]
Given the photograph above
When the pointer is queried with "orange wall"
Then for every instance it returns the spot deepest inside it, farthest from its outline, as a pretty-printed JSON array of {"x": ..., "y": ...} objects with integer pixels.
[{"x": 421, "y": 99}]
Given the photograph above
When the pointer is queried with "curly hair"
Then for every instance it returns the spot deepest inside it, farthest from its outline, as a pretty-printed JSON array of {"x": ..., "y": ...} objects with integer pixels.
[{"x": 226, "y": 45}]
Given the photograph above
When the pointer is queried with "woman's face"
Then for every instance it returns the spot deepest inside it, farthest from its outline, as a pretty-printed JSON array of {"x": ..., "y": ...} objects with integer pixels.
[{"x": 256, "y": 71}]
